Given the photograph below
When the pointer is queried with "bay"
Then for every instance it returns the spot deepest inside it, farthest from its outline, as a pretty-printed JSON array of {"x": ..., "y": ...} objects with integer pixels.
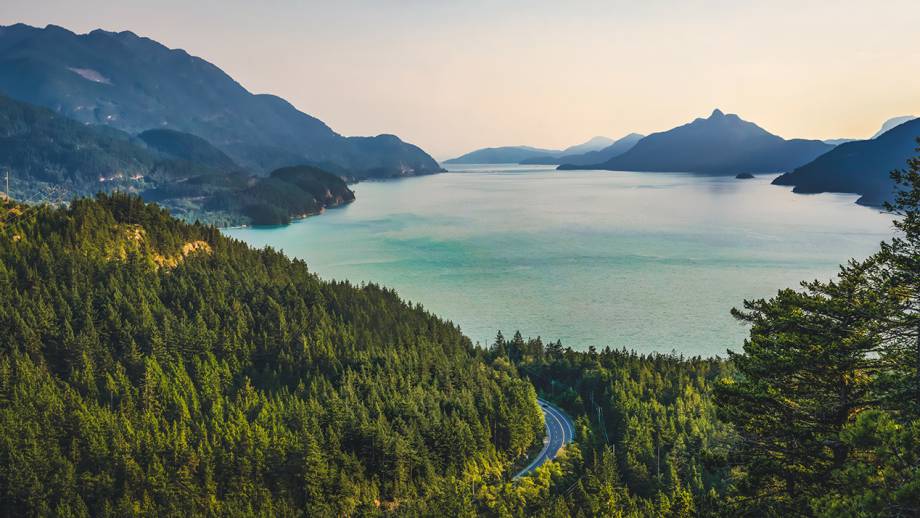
[{"x": 646, "y": 261}]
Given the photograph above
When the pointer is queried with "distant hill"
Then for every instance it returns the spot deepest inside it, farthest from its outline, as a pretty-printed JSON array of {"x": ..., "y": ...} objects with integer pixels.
[
  {"x": 721, "y": 144},
  {"x": 502, "y": 155},
  {"x": 592, "y": 144},
  {"x": 892, "y": 123},
  {"x": 528, "y": 154},
  {"x": 616, "y": 148},
  {"x": 860, "y": 167},
  {"x": 838, "y": 141},
  {"x": 136, "y": 84}
]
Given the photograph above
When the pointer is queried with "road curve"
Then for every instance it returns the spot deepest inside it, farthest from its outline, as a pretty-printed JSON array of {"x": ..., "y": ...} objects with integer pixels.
[{"x": 559, "y": 432}]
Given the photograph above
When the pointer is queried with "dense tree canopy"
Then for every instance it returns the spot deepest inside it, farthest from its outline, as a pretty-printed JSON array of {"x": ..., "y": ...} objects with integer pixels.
[{"x": 148, "y": 366}]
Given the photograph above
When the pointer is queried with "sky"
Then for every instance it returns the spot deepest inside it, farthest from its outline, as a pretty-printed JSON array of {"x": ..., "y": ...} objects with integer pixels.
[{"x": 452, "y": 76}]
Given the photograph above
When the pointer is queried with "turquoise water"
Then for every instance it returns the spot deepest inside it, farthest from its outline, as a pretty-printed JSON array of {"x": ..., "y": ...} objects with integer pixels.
[{"x": 648, "y": 261}]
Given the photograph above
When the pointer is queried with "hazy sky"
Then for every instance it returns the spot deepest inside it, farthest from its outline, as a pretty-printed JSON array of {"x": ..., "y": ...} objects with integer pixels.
[{"x": 451, "y": 76}]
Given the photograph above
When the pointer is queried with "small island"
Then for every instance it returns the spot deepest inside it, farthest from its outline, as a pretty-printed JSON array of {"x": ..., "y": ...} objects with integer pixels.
[{"x": 744, "y": 176}]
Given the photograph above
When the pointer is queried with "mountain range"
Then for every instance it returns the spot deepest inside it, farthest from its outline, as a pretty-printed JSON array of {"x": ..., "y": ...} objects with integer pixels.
[
  {"x": 526, "y": 154},
  {"x": 183, "y": 172},
  {"x": 616, "y": 148},
  {"x": 861, "y": 167},
  {"x": 720, "y": 144},
  {"x": 135, "y": 84}
]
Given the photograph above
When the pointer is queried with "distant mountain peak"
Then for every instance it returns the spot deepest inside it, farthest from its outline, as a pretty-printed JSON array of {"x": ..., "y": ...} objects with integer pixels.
[
  {"x": 720, "y": 144},
  {"x": 893, "y": 123}
]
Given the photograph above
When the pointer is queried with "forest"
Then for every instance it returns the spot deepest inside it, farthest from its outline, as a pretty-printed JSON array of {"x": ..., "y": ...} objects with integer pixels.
[{"x": 154, "y": 367}]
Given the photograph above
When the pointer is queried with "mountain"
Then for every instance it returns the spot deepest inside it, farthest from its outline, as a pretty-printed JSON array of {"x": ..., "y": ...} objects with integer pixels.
[
  {"x": 502, "y": 155},
  {"x": 616, "y": 148},
  {"x": 860, "y": 167},
  {"x": 185, "y": 146},
  {"x": 893, "y": 122},
  {"x": 838, "y": 141},
  {"x": 42, "y": 150},
  {"x": 136, "y": 84},
  {"x": 152, "y": 367},
  {"x": 592, "y": 144},
  {"x": 528, "y": 154},
  {"x": 721, "y": 144}
]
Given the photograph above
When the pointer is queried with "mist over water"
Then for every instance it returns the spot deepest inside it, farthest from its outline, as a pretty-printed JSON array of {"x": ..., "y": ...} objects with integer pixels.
[{"x": 647, "y": 261}]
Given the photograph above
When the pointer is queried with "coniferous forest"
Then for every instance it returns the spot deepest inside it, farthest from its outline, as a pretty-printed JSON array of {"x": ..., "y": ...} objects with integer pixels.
[{"x": 154, "y": 367}]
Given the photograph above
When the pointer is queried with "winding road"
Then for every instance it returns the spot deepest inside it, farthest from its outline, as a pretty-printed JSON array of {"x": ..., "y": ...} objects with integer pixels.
[{"x": 559, "y": 432}]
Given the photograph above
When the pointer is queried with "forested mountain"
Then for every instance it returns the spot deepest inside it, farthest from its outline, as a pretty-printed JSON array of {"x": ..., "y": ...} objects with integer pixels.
[
  {"x": 136, "y": 84},
  {"x": 186, "y": 173},
  {"x": 41, "y": 147},
  {"x": 721, "y": 144},
  {"x": 151, "y": 367},
  {"x": 185, "y": 146},
  {"x": 861, "y": 167},
  {"x": 616, "y": 148}
]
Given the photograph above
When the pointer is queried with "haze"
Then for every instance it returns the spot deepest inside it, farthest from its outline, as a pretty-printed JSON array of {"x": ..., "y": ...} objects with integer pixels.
[{"x": 453, "y": 76}]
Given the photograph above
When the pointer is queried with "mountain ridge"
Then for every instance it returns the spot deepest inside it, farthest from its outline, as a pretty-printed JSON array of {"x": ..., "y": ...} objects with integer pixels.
[
  {"x": 722, "y": 144},
  {"x": 861, "y": 167},
  {"x": 135, "y": 83}
]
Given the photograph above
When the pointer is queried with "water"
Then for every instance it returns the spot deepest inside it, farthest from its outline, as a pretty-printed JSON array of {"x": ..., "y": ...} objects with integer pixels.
[{"x": 647, "y": 261}]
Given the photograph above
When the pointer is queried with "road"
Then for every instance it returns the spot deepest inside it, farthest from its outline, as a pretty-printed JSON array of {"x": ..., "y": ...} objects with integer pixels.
[{"x": 559, "y": 432}]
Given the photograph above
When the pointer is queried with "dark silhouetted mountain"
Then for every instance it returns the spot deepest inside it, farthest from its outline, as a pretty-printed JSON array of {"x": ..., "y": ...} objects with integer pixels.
[
  {"x": 615, "y": 149},
  {"x": 502, "y": 155},
  {"x": 136, "y": 84},
  {"x": 860, "y": 167},
  {"x": 185, "y": 146},
  {"x": 721, "y": 144},
  {"x": 892, "y": 123}
]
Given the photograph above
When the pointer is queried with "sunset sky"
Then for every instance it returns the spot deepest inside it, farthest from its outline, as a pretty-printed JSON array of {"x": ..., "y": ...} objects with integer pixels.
[{"x": 454, "y": 76}]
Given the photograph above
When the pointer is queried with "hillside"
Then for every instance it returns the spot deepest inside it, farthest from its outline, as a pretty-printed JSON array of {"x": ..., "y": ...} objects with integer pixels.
[
  {"x": 151, "y": 367},
  {"x": 721, "y": 145},
  {"x": 136, "y": 84},
  {"x": 185, "y": 146},
  {"x": 616, "y": 148},
  {"x": 861, "y": 167},
  {"x": 43, "y": 150}
]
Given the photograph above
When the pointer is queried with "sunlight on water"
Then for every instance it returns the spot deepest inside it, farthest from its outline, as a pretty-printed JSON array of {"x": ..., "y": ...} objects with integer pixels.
[{"x": 648, "y": 261}]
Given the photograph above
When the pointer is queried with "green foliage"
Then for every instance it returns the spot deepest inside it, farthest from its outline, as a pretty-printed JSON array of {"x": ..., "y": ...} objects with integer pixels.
[
  {"x": 150, "y": 367},
  {"x": 287, "y": 192},
  {"x": 826, "y": 396}
]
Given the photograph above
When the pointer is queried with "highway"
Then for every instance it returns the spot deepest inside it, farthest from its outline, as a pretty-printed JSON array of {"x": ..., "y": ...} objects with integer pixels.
[{"x": 559, "y": 432}]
